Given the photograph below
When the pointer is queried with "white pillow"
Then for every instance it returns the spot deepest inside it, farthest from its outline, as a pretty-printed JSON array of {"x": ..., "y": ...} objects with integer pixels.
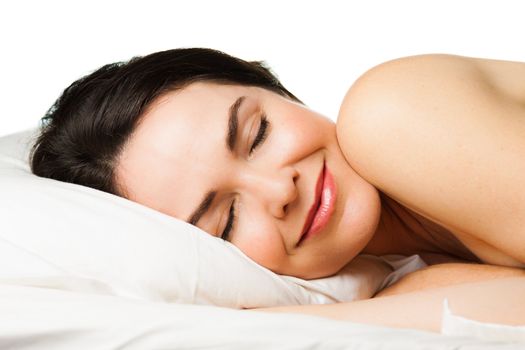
[{"x": 60, "y": 235}]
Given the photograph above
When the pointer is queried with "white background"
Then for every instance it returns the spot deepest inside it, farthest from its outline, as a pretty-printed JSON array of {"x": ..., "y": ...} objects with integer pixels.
[{"x": 317, "y": 48}]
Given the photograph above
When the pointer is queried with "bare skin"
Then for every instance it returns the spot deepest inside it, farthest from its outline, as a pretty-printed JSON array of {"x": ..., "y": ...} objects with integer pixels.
[
  {"x": 444, "y": 138},
  {"x": 493, "y": 301},
  {"x": 449, "y": 274}
]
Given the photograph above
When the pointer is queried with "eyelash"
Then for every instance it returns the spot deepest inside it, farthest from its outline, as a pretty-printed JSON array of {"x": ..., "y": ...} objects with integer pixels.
[
  {"x": 261, "y": 136},
  {"x": 231, "y": 220}
]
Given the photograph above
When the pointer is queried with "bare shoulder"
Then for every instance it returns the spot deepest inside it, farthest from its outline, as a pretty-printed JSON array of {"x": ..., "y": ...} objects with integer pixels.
[
  {"x": 445, "y": 136},
  {"x": 422, "y": 81}
]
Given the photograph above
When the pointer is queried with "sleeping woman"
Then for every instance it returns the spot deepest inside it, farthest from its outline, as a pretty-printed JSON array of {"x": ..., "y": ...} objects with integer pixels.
[{"x": 427, "y": 157}]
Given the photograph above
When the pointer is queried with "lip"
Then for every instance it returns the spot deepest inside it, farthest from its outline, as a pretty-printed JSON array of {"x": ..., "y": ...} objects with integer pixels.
[{"x": 323, "y": 206}]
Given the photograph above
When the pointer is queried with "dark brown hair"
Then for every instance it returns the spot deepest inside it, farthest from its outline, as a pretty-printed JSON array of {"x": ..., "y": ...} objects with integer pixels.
[{"x": 85, "y": 130}]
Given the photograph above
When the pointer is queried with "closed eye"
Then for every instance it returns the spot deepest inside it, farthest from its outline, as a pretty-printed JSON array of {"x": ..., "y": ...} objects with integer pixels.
[
  {"x": 261, "y": 134},
  {"x": 230, "y": 223}
]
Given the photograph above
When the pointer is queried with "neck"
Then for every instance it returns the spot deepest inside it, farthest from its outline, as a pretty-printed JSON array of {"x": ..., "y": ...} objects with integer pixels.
[{"x": 392, "y": 235}]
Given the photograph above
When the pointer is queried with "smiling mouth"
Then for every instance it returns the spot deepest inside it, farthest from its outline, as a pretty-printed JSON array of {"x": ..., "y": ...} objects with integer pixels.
[
  {"x": 324, "y": 206},
  {"x": 315, "y": 206}
]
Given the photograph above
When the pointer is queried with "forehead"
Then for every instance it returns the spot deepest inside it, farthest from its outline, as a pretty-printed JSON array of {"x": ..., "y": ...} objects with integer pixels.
[
  {"x": 168, "y": 162},
  {"x": 197, "y": 99}
]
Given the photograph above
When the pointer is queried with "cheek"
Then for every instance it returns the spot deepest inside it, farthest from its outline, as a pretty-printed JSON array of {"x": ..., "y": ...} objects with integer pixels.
[
  {"x": 311, "y": 128},
  {"x": 265, "y": 247}
]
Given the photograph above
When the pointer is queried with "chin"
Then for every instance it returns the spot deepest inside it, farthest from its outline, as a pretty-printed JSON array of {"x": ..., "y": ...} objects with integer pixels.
[
  {"x": 358, "y": 210},
  {"x": 358, "y": 222}
]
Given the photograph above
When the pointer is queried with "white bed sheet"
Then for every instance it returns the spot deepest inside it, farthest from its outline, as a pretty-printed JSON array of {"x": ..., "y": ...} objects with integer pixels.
[{"x": 44, "y": 318}]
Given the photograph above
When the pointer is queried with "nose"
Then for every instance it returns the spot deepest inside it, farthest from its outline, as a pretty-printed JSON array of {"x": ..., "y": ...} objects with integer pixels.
[{"x": 275, "y": 189}]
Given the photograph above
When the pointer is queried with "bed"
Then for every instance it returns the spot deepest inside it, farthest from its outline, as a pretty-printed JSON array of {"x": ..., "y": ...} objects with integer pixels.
[{"x": 83, "y": 269}]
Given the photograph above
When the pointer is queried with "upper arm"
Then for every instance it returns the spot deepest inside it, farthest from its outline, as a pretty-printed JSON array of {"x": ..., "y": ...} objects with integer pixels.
[
  {"x": 442, "y": 275},
  {"x": 439, "y": 134},
  {"x": 485, "y": 301}
]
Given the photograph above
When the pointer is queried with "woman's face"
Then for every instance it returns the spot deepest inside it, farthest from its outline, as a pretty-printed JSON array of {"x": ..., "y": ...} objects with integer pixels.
[{"x": 179, "y": 153}]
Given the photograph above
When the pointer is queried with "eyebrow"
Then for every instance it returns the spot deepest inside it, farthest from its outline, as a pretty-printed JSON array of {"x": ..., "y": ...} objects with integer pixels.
[
  {"x": 230, "y": 140},
  {"x": 233, "y": 122}
]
